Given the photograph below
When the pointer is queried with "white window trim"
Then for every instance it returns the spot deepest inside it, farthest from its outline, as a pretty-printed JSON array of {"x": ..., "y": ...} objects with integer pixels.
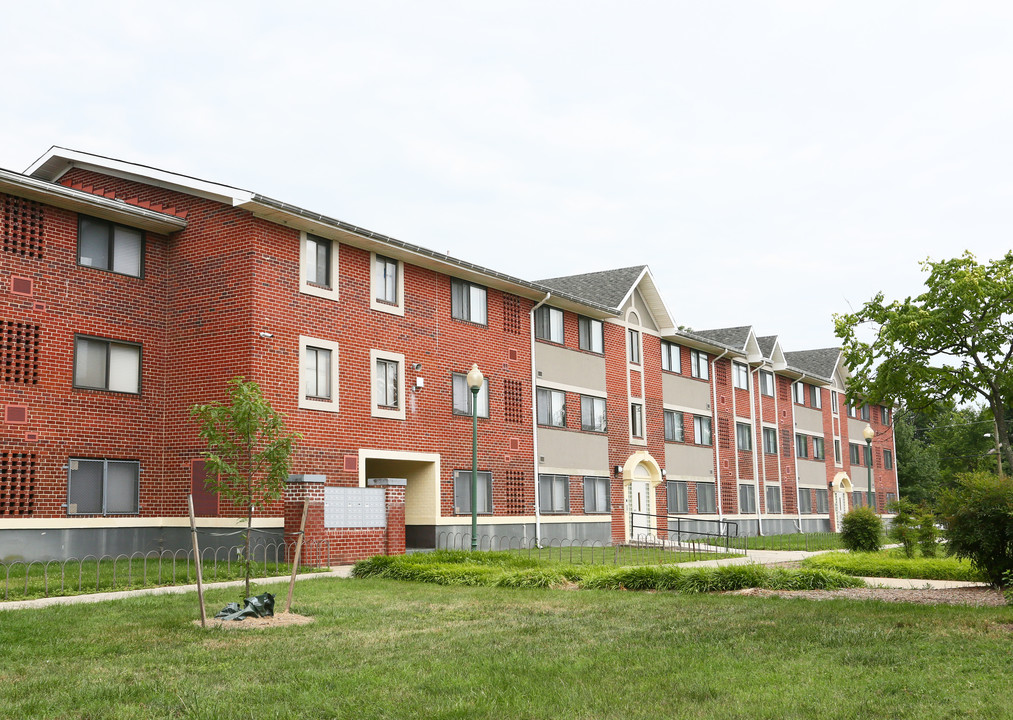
[
  {"x": 307, "y": 288},
  {"x": 376, "y": 409},
  {"x": 312, "y": 403},
  {"x": 374, "y": 304}
]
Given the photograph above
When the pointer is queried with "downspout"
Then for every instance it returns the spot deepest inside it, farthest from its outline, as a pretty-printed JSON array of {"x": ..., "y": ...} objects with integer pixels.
[
  {"x": 534, "y": 419},
  {"x": 757, "y": 405},
  {"x": 714, "y": 433}
]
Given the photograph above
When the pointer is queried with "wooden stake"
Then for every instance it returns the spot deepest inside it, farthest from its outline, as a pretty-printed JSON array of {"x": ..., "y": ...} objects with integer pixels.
[
  {"x": 298, "y": 553},
  {"x": 196, "y": 562}
]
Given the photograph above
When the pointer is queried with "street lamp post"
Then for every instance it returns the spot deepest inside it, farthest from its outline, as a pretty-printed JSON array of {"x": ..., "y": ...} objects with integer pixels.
[
  {"x": 475, "y": 380},
  {"x": 869, "y": 433}
]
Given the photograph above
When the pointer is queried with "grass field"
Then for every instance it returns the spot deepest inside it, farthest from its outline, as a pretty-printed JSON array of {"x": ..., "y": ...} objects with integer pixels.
[
  {"x": 383, "y": 649},
  {"x": 790, "y": 541}
]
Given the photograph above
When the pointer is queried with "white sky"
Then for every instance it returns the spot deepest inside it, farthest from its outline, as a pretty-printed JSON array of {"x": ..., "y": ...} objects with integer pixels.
[{"x": 773, "y": 162}]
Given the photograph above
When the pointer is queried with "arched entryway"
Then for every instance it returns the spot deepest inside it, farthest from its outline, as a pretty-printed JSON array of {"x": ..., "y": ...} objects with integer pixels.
[
  {"x": 841, "y": 488},
  {"x": 641, "y": 477}
]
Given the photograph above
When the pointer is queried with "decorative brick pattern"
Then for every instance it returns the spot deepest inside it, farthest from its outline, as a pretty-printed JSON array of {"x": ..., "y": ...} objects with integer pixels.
[
  {"x": 21, "y": 226},
  {"x": 512, "y": 494},
  {"x": 512, "y": 312},
  {"x": 17, "y": 483},
  {"x": 20, "y": 352},
  {"x": 513, "y": 401}
]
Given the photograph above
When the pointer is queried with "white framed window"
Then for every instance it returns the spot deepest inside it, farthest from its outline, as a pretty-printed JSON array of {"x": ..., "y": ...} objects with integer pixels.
[
  {"x": 799, "y": 391},
  {"x": 851, "y": 410},
  {"x": 675, "y": 431},
  {"x": 706, "y": 500},
  {"x": 554, "y": 493},
  {"x": 837, "y": 452},
  {"x": 318, "y": 374},
  {"x": 701, "y": 430},
  {"x": 855, "y": 453},
  {"x": 678, "y": 497},
  {"x": 633, "y": 338},
  {"x": 592, "y": 413},
  {"x": 551, "y": 407},
  {"x": 318, "y": 262},
  {"x": 468, "y": 302},
  {"x": 105, "y": 245},
  {"x": 833, "y": 402},
  {"x": 549, "y": 324},
  {"x": 101, "y": 364},
  {"x": 815, "y": 397},
  {"x": 747, "y": 498},
  {"x": 864, "y": 413},
  {"x": 671, "y": 357},
  {"x": 388, "y": 384},
  {"x": 773, "y": 497},
  {"x": 591, "y": 335},
  {"x": 596, "y": 495},
  {"x": 822, "y": 501},
  {"x": 462, "y": 492},
  {"x": 767, "y": 383},
  {"x": 103, "y": 487},
  {"x": 386, "y": 284},
  {"x": 805, "y": 501},
  {"x": 743, "y": 436},
  {"x": 818, "y": 450},
  {"x": 801, "y": 446},
  {"x": 637, "y": 420},
  {"x": 698, "y": 364},
  {"x": 462, "y": 395},
  {"x": 770, "y": 441},
  {"x": 740, "y": 376},
  {"x": 884, "y": 414}
]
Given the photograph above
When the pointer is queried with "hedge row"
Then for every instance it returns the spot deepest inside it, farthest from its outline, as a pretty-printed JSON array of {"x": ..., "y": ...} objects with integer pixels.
[{"x": 884, "y": 565}]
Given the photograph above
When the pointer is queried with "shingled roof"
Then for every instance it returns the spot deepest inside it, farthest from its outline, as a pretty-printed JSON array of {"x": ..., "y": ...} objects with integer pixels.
[
  {"x": 607, "y": 288},
  {"x": 734, "y": 337},
  {"x": 766, "y": 344},
  {"x": 820, "y": 363}
]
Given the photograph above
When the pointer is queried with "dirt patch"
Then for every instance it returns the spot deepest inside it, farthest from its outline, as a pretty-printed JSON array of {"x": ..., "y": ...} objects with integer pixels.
[
  {"x": 973, "y": 596},
  {"x": 279, "y": 620}
]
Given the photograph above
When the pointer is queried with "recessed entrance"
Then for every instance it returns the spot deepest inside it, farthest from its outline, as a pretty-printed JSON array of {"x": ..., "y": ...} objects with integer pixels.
[
  {"x": 641, "y": 477},
  {"x": 422, "y": 497},
  {"x": 841, "y": 488}
]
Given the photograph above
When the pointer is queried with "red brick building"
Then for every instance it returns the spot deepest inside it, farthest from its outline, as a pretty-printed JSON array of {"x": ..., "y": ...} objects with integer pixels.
[{"x": 133, "y": 293}]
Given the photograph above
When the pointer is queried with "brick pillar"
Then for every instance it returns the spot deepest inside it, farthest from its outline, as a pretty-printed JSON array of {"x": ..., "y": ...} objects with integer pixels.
[
  {"x": 394, "y": 498},
  {"x": 298, "y": 490}
]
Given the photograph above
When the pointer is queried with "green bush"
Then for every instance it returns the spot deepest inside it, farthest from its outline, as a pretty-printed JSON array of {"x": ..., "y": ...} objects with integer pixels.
[
  {"x": 892, "y": 563},
  {"x": 902, "y": 527},
  {"x": 928, "y": 535},
  {"x": 861, "y": 530},
  {"x": 978, "y": 515}
]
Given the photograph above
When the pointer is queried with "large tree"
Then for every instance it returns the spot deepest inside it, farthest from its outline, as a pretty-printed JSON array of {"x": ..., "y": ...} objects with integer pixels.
[{"x": 951, "y": 343}]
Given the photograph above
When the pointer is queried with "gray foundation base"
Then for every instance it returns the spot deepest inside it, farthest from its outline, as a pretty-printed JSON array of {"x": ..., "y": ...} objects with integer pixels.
[
  {"x": 522, "y": 535},
  {"x": 65, "y": 543}
]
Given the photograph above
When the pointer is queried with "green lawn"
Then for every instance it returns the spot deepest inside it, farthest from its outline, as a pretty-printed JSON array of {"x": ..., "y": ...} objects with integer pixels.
[
  {"x": 791, "y": 541},
  {"x": 384, "y": 649},
  {"x": 893, "y": 563}
]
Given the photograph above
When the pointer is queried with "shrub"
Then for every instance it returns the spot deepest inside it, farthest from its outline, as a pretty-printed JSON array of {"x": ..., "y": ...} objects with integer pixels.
[
  {"x": 928, "y": 535},
  {"x": 861, "y": 530},
  {"x": 893, "y": 564},
  {"x": 978, "y": 514},
  {"x": 1008, "y": 590},
  {"x": 902, "y": 528}
]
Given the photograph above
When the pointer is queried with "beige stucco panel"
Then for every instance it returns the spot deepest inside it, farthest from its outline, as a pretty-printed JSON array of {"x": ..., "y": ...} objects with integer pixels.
[
  {"x": 808, "y": 420},
  {"x": 421, "y": 496},
  {"x": 855, "y": 428},
  {"x": 638, "y": 304},
  {"x": 558, "y": 364},
  {"x": 812, "y": 473},
  {"x": 689, "y": 461},
  {"x": 578, "y": 451},
  {"x": 679, "y": 390}
]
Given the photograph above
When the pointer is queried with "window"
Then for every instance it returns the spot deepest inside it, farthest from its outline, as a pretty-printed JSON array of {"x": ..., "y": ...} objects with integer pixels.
[
  {"x": 698, "y": 364},
  {"x": 851, "y": 410},
  {"x": 319, "y": 266},
  {"x": 801, "y": 446},
  {"x": 554, "y": 493},
  {"x": 822, "y": 502},
  {"x": 592, "y": 413},
  {"x": 890, "y": 497},
  {"x": 103, "y": 487},
  {"x": 318, "y": 374},
  {"x": 467, "y": 301},
  {"x": 805, "y": 501},
  {"x": 596, "y": 495},
  {"x": 678, "y": 497},
  {"x": 674, "y": 429},
  {"x": 740, "y": 375},
  {"x": 868, "y": 455},
  {"x": 887, "y": 460},
  {"x": 462, "y": 396},
  {"x": 590, "y": 335},
  {"x": 857, "y": 499},
  {"x": 799, "y": 391},
  {"x": 856, "y": 453},
  {"x": 387, "y": 283},
  {"x": 815, "y": 397},
  {"x": 634, "y": 343},
  {"x": 705, "y": 498},
  {"x": 637, "y": 420},
  {"x": 701, "y": 430},
  {"x": 773, "y": 500},
  {"x": 747, "y": 499},
  {"x": 873, "y": 503},
  {"x": 743, "y": 436},
  {"x": 462, "y": 492},
  {"x": 549, "y": 324},
  {"x": 671, "y": 357},
  {"x": 108, "y": 246},
  {"x": 551, "y": 407},
  {"x": 388, "y": 381},
  {"x": 884, "y": 414},
  {"x": 767, "y": 383},
  {"x": 770, "y": 441},
  {"x": 837, "y": 451},
  {"x": 107, "y": 365},
  {"x": 818, "y": 451},
  {"x": 865, "y": 412},
  {"x": 833, "y": 402}
]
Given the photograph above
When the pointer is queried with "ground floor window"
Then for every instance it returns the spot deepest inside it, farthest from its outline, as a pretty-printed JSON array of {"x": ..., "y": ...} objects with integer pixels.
[
  {"x": 773, "y": 500},
  {"x": 554, "y": 493},
  {"x": 705, "y": 498},
  {"x": 678, "y": 497},
  {"x": 596, "y": 495},
  {"x": 747, "y": 499},
  {"x": 805, "y": 501},
  {"x": 103, "y": 487},
  {"x": 462, "y": 492},
  {"x": 822, "y": 501}
]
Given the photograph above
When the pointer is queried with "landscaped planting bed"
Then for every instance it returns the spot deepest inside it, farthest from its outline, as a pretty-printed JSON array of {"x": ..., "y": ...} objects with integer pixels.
[{"x": 893, "y": 564}]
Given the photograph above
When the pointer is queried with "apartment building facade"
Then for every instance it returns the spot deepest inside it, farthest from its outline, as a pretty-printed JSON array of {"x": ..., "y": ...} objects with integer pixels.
[{"x": 134, "y": 293}]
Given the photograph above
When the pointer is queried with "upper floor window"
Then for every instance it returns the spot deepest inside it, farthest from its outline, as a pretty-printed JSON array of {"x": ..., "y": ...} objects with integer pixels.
[
  {"x": 319, "y": 263},
  {"x": 799, "y": 392},
  {"x": 463, "y": 394},
  {"x": 671, "y": 357},
  {"x": 864, "y": 412},
  {"x": 591, "y": 336},
  {"x": 387, "y": 285},
  {"x": 770, "y": 441},
  {"x": 851, "y": 410},
  {"x": 592, "y": 413},
  {"x": 467, "y": 301},
  {"x": 634, "y": 343},
  {"x": 637, "y": 420},
  {"x": 701, "y": 430},
  {"x": 388, "y": 381},
  {"x": 743, "y": 436},
  {"x": 549, "y": 324},
  {"x": 101, "y": 364},
  {"x": 107, "y": 246},
  {"x": 855, "y": 453},
  {"x": 884, "y": 414},
  {"x": 815, "y": 397},
  {"x": 767, "y": 383},
  {"x": 674, "y": 430},
  {"x": 740, "y": 376},
  {"x": 887, "y": 460},
  {"x": 801, "y": 446},
  {"x": 551, "y": 407},
  {"x": 698, "y": 364},
  {"x": 833, "y": 401},
  {"x": 318, "y": 374},
  {"x": 818, "y": 449}
]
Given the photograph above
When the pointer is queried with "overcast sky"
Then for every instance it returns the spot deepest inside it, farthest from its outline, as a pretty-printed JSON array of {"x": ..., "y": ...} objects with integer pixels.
[{"x": 773, "y": 162}]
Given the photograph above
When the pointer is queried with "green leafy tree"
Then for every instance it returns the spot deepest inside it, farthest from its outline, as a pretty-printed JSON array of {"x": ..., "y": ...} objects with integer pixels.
[
  {"x": 249, "y": 451},
  {"x": 952, "y": 342}
]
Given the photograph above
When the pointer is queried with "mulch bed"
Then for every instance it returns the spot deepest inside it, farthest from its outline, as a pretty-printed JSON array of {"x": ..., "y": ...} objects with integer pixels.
[
  {"x": 973, "y": 596},
  {"x": 262, "y": 623}
]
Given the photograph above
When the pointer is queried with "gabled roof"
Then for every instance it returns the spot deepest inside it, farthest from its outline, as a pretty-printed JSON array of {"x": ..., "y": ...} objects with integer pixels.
[
  {"x": 734, "y": 337},
  {"x": 607, "y": 287},
  {"x": 819, "y": 363},
  {"x": 766, "y": 344}
]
